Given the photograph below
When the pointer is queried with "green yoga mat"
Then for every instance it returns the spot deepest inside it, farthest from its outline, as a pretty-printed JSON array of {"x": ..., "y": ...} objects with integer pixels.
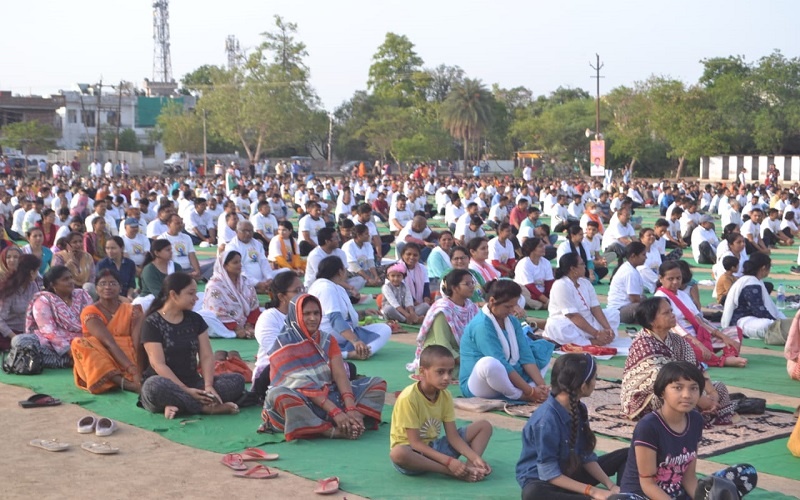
[{"x": 772, "y": 458}]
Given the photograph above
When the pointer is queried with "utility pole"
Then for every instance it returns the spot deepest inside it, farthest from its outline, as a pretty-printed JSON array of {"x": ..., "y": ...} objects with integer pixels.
[
  {"x": 205, "y": 144},
  {"x": 99, "y": 88},
  {"x": 119, "y": 121},
  {"x": 330, "y": 140},
  {"x": 597, "y": 76}
]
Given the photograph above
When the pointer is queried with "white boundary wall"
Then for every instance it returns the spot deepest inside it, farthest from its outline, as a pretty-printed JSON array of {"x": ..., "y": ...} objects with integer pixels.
[{"x": 726, "y": 168}]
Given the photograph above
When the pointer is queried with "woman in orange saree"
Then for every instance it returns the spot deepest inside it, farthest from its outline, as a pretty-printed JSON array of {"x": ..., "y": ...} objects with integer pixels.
[{"x": 106, "y": 357}]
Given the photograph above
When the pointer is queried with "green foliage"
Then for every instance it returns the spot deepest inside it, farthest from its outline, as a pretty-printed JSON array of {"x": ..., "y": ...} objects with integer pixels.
[
  {"x": 28, "y": 136},
  {"x": 180, "y": 131},
  {"x": 467, "y": 113},
  {"x": 199, "y": 80},
  {"x": 127, "y": 140},
  {"x": 396, "y": 71}
]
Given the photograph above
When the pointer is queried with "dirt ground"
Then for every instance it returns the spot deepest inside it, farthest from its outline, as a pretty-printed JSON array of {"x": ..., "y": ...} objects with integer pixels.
[{"x": 147, "y": 466}]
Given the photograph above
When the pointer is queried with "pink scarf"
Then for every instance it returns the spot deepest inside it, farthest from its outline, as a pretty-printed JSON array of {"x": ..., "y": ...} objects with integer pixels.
[
  {"x": 457, "y": 317},
  {"x": 415, "y": 281}
]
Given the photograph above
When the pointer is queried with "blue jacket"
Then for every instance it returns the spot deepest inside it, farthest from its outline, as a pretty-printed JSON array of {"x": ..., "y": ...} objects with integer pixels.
[{"x": 480, "y": 340}]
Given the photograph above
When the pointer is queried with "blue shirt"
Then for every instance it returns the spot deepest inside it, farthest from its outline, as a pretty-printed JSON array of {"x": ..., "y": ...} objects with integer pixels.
[
  {"x": 545, "y": 443},
  {"x": 126, "y": 272},
  {"x": 480, "y": 340}
]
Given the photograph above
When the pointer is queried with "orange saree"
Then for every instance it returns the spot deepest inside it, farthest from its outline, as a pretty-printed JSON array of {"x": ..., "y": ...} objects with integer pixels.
[{"x": 94, "y": 366}]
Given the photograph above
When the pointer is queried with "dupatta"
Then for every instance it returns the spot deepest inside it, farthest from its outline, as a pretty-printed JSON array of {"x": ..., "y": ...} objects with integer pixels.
[
  {"x": 457, "y": 317},
  {"x": 230, "y": 300}
]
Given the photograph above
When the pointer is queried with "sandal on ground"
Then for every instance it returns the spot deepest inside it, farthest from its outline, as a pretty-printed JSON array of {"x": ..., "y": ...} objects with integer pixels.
[
  {"x": 49, "y": 444},
  {"x": 106, "y": 427},
  {"x": 256, "y": 454},
  {"x": 233, "y": 461},
  {"x": 100, "y": 448},
  {"x": 524, "y": 411},
  {"x": 327, "y": 486},
  {"x": 40, "y": 400},
  {"x": 258, "y": 472},
  {"x": 87, "y": 424}
]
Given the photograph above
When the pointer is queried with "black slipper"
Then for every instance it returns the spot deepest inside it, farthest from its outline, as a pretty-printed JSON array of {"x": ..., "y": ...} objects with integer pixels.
[{"x": 40, "y": 400}]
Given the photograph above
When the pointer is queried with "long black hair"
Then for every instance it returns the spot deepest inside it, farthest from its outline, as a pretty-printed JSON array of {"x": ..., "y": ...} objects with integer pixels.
[
  {"x": 280, "y": 284},
  {"x": 155, "y": 247},
  {"x": 15, "y": 281},
  {"x": 565, "y": 263},
  {"x": 570, "y": 372},
  {"x": 288, "y": 225},
  {"x": 452, "y": 280},
  {"x": 54, "y": 274},
  {"x": 175, "y": 282}
]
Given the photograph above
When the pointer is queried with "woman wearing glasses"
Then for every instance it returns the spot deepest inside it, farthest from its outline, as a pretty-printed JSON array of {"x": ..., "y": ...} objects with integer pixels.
[
  {"x": 285, "y": 286},
  {"x": 445, "y": 321},
  {"x": 106, "y": 356}
]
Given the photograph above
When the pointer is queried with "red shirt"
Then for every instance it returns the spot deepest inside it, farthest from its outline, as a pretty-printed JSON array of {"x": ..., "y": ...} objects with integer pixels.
[
  {"x": 516, "y": 216},
  {"x": 381, "y": 206}
]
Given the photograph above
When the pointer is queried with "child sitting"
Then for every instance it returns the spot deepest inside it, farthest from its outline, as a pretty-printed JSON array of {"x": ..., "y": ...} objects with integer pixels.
[
  {"x": 419, "y": 414},
  {"x": 397, "y": 301},
  {"x": 727, "y": 279}
]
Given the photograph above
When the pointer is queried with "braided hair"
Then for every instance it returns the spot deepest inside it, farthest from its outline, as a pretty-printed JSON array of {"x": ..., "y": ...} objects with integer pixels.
[{"x": 570, "y": 372}]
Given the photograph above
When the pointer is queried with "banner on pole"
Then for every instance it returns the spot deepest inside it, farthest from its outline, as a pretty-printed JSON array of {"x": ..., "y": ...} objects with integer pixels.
[{"x": 598, "y": 158}]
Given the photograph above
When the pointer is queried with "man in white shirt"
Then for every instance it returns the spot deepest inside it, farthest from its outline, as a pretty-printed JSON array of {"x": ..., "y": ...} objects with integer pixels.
[
  {"x": 705, "y": 241},
  {"x": 309, "y": 227},
  {"x": 453, "y": 211},
  {"x": 159, "y": 226},
  {"x": 18, "y": 219},
  {"x": 264, "y": 223},
  {"x": 136, "y": 244},
  {"x": 751, "y": 230},
  {"x": 619, "y": 234},
  {"x": 627, "y": 289},
  {"x": 200, "y": 225},
  {"x": 399, "y": 215},
  {"x": 329, "y": 245},
  {"x": 33, "y": 215},
  {"x": 361, "y": 257},
  {"x": 182, "y": 248},
  {"x": 224, "y": 232},
  {"x": 415, "y": 231},
  {"x": 559, "y": 217},
  {"x": 498, "y": 213},
  {"x": 527, "y": 173},
  {"x": 100, "y": 211},
  {"x": 771, "y": 232},
  {"x": 255, "y": 266},
  {"x": 731, "y": 215},
  {"x": 380, "y": 244},
  {"x": 689, "y": 220},
  {"x": 464, "y": 220}
]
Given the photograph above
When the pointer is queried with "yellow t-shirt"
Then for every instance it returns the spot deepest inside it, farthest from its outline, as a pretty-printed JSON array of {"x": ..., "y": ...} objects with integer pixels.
[{"x": 412, "y": 410}]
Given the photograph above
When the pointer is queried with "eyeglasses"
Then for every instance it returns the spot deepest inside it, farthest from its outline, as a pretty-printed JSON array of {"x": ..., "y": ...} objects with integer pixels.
[
  {"x": 107, "y": 284},
  {"x": 298, "y": 290}
]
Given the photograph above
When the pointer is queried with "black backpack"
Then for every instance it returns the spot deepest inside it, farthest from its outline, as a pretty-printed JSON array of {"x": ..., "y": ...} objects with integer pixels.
[{"x": 25, "y": 360}]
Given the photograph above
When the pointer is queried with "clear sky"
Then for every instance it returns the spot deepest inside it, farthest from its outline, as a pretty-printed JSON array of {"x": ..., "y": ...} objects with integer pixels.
[{"x": 51, "y": 44}]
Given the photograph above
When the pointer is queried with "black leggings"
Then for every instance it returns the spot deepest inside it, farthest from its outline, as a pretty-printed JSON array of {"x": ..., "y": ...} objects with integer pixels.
[{"x": 611, "y": 463}]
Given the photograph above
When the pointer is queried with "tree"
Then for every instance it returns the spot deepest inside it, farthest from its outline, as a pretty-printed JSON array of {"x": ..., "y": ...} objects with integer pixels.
[
  {"x": 381, "y": 132},
  {"x": 199, "y": 80},
  {"x": 127, "y": 140},
  {"x": 395, "y": 66},
  {"x": 631, "y": 130},
  {"x": 442, "y": 80},
  {"x": 179, "y": 130},
  {"x": 467, "y": 112},
  {"x": 29, "y": 136},
  {"x": 777, "y": 120}
]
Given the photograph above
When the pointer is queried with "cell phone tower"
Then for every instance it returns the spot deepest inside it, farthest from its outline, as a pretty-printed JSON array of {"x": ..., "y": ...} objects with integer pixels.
[
  {"x": 162, "y": 62},
  {"x": 233, "y": 51}
]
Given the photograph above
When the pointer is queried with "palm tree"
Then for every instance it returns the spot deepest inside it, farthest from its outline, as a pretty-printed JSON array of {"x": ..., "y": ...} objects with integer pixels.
[{"x": 467, "y": 112}]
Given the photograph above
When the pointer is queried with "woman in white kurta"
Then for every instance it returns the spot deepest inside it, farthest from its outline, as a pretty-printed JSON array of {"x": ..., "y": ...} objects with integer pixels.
[
  {"x": 649, "y": 270},
  {"x": 575, "y": 316}
]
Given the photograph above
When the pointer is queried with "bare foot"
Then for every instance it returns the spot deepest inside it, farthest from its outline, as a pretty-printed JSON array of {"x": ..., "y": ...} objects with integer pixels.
[
  {"x": 352, "y": 435},
  {"x": 473, "y": 475},
  {"x": 736, "y": 362},
  {"x": 133, "y": 387},
  {"x": 170, "y": 412},
  {"x": 223, "y": 409},
  {"x": 354, "y": 355}
]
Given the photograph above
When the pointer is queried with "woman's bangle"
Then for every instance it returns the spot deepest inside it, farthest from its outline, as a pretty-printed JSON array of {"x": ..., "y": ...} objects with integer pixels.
[
  {"x": 345, "y": 394},
  {"x": 348, "y": 409},
  {"x": 334, "y": 412},
  {"x": 588, "y": 490}
]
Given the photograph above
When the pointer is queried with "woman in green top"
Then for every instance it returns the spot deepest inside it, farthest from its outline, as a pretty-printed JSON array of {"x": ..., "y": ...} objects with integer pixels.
[
  {"x": 157, "y": 266},
  {"x": 445, "y": 321},
  {"x": 459, "y": 259}
]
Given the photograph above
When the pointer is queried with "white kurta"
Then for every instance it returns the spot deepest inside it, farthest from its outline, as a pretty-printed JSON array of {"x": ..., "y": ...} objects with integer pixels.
[{"x": 565, "y": 299}]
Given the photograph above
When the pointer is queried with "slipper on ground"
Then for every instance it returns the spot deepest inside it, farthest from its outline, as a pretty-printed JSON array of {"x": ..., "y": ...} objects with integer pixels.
[
  {"x": 106, "y": 427},
  {"x": 327, "y": 486},
  {"x": 39, "y": 401},
  {"x": 87, "y": 424},
  {"x": 256, "y": 454},
  {"x": 49, "y": 444},
  {"x": 99, "y": 448},
  {"x": 258, "y": 472},
  {"x": 233, "y": 461}
]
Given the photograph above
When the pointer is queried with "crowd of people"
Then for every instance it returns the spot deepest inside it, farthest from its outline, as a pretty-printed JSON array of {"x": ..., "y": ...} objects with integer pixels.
[{"x": 99, "y": 272}]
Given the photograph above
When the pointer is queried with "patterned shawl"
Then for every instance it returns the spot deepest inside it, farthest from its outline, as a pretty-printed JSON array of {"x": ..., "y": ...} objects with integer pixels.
[
  {"x": 646, "y": 357},
  {"x": 299, "y": 359},
  {"x": 230, "y": 300},
  {"x": 457, "y": 317}
]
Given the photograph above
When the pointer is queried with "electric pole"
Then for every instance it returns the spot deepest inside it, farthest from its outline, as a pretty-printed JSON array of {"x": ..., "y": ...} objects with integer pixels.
[
  {"x": 97, "y": 119},
  {"x": 330, "y": 140},
  {"x": 597, "y": 76},
  {"x": 119, "y": 122}
]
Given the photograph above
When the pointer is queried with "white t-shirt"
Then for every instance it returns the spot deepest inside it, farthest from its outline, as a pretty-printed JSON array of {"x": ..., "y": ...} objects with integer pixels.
[
  {"x": 136, "y": 249},
  {"x": 526, "y": 272},
  {"x": 307, "y": 223},
  {"x": 181, "y": 248},
  {"x": 254, "y": 262},
  {"x": 615, "y": 231},
  {"x": 701, "y": 234},
  {"x": 626, "y": 281},
  {"x": 268, "y": 224},
  {"x": 750, "y": 227},
  {"x": 269, "y": 325},
  {"x": 500, "y": 252},
  {"x": 407, "y": 231},
  {"x": 156, "y": 228},
  {"x": 314, "y": 258},
  {"x": 195, "y": 220},
  {"x": 358, "y": 259}
]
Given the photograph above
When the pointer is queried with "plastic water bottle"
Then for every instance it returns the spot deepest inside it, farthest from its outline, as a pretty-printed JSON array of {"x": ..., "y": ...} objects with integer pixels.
[{"x": 781, "y": 297}]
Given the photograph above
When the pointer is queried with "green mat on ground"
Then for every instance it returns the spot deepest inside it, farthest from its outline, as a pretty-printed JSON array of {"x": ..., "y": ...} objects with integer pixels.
[
  {"x": 772, "y": 458},
  {"x": 758, "y": 343}
]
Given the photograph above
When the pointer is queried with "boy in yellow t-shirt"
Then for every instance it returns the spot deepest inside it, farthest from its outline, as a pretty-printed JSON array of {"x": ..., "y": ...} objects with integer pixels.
[{"x": 421, "y": 410}]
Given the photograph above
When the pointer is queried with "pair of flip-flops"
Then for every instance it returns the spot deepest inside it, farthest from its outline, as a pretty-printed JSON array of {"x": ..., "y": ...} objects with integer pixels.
[
  {"x": 40, "y": 401},
  {"x": 236, "y": 461},
  {"x": 55, "y": 445}
]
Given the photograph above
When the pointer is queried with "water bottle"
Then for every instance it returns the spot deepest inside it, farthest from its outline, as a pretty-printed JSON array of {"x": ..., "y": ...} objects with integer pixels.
[{"x": 781, "y": 297}]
